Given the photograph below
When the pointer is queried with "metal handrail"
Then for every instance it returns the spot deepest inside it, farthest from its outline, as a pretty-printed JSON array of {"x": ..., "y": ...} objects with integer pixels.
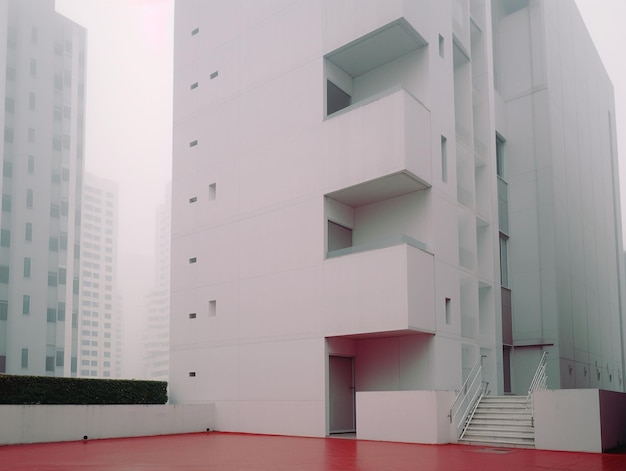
[
  {"x": 470, "y": 392},
  {"x": 538, "y": 383},
  {"x": 540, "y": 380}
]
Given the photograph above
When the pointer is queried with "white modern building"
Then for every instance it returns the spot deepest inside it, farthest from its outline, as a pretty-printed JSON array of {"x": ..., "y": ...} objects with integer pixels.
[
  {"x": 43, "y": 90},
  {"x": 157, "y": 326},
  {"x": 100, "y": 324},
  {"x": 370, "y": 195}
]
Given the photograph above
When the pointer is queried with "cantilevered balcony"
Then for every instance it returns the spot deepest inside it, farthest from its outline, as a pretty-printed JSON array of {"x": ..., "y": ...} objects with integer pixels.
[
  {"x": 387, "y": 290},
  {"x": 381, "y": 145},
  {"x": 347, "y": 21}
]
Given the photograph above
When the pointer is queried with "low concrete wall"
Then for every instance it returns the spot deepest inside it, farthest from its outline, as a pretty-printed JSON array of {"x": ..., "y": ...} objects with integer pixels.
[
  {"x": 589, "y": 420},
  {"x": 404, "y": 416},
  {"x": 51, "y": 423}
]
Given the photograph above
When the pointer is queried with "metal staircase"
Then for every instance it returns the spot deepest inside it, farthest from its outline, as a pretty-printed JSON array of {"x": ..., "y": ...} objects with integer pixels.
[{"x": 498, "y": 420}]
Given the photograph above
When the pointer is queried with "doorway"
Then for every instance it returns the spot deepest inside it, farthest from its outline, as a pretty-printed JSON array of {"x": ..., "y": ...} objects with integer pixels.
[{"x": 342, "y": 410}]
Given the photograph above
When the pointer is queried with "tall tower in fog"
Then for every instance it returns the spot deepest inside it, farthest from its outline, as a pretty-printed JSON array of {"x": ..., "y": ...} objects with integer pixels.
[
  {"x": 156, "y": 336},
  {"x": 100, "y": 324},
  {"x": 43, "y": 159}
]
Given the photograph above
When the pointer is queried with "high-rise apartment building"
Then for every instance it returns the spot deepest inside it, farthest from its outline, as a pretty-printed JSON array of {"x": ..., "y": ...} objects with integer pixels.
[
  {"x": 157, "y": 325},
  {"x": 372, "y": 195},
  {"x": 100, "y": 323},
  {"x": 43, "y": 114}
]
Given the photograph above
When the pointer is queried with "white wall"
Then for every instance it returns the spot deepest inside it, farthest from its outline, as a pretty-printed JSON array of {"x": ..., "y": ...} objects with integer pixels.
[
  {"x": 58, "y": 423},
  {"x": 405, "y": 416}
]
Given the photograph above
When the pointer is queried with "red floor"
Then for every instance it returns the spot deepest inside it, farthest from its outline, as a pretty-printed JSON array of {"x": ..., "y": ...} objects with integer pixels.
[{"x": 230, "y": 452}]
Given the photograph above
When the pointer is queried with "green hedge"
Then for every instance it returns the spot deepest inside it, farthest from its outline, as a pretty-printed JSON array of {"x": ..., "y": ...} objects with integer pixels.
[{"x": 54, "y": 390}]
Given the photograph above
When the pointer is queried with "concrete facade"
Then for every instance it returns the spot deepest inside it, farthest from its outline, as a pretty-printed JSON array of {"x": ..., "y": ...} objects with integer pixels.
[
  {"x": 341, "y": 215},
  {"x": 43, "y": 160}
]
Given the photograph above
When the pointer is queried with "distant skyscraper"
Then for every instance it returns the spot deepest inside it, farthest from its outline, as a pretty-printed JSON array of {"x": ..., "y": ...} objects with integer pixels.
[
  {"x": 156, "y": 339},
  {"x": 100, "y": 324},
  {"x": 43, "y": 159}
]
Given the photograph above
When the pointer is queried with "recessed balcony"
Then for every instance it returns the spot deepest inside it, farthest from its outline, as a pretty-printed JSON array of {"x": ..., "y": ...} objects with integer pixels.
[{"x": 390, "y": 289}]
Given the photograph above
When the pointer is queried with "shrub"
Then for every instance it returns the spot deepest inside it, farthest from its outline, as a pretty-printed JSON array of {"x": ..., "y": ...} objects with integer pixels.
[{"x": 54, "y": 390}]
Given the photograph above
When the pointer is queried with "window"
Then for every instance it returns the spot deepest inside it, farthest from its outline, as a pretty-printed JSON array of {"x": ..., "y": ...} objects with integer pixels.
[
  {"x": 504, "y": 261},
  {"x": 60, "y": 359},
  {"x": 28, "y": 232},
  {"x": 195, "y": 31},
  {"x": 52, "y": 278},
  {"x": 336, "y": 98},
  {"x": 27, "y": 263},
  {"x": 192, "y": 315},
  {"x": 6, "y": 203},
  {"x": 214, "y": 74},
  {"x": 24, "y": 357},
  {"x": 52, "y": 314},
  {"x": 444, "y": 159},
  {"x": 55, "y": 210},
  {"x": 4, "y": 274},
  {"x": 29, "y": 198},
  {"x": 50, "y": 363},
  {"x": 193, "y": 199},
  {"x": 67, "y": 78},
  {"x": 500, "y": 156},
  {"x": 212, "y": 191},
  {"x": 9, "y": 105},
  {"x": 61, "y": 311},
  {"x": 31, "y": 101},
  {"x": 31, "y": 164},
  {"x": 4, "y": 309},
  {"x": 33, "y": 68},
  {"x": 62, "y": 275},
  {"x": 193, "y": 86},
  {"x": 53, "y": 244},
  {"x": 193, "y": 143},
  {"x": 212, "y": 308},
  {"x": 5, "y": 238},
  {"x": 7, "y": 169},
  {"x": 193, "y": 260},
  {"x": 448, "y": 311},
  {"x": 441, "y": 46},
  {"x": 63, "y": 240},
  {"x": 8, "y": 135},
  {"x": 25, "y": 304}
]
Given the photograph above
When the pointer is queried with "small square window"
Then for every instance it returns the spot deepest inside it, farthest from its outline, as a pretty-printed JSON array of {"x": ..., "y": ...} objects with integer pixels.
[
  {"x": 193, "y": 199},
  {"x": 193, "y": 143},
  {"x": 192, "y": 315},
  {"x": 194, "y": 86},
  {"x": 192, "y": 374},
  {"x": 212, "y": 191},
  {"x": 214, "y": 74},
  {"x": 193, "y": 260},
  {"x": 195, "y": 31},
  {"x": 212, "y": 308}
]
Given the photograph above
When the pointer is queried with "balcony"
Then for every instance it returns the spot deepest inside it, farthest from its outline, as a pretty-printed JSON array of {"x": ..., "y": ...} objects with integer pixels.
[
  {"x": 387, "y": 290},
  {"x": 348, "y": 20},
  {"x": 383, "y": 144}
]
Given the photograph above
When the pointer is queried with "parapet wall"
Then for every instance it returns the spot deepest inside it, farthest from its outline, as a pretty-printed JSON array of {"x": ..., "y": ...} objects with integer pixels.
[{"x": 58, "y": 423}]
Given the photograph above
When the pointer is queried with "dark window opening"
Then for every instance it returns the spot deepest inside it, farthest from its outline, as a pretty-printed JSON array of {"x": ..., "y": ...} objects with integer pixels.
[{"x": 336, "y": 98}]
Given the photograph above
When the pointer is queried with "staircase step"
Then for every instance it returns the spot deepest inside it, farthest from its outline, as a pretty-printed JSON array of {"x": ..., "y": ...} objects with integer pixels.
[
  {"x": 526, "y": 422},
  {"x": 499, "y": 434},
  {"x": 502, "y": 443},
  {"x": 502, "y": 427}
]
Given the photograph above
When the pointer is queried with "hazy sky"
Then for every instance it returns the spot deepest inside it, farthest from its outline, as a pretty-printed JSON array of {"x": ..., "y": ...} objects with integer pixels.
[{"x": 129, "y": 97}]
